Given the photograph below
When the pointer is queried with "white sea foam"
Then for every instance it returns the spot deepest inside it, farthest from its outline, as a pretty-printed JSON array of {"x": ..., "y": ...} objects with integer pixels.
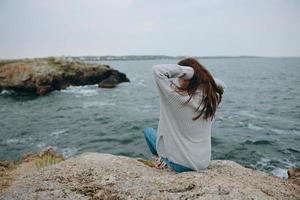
[
  {"x": 81, "y": 90},
  {"x": 277, "y": 171},
  {"x": 141, "y": 83},
  {"x": 18, "y": 141},
  {"x": 58, "y": 132},
  {"x": 263, "y": 161},
  {"x": 285, "y": 132},
  {"x": 68, "y": 151},
  {"x": 278, "y": 131},
  {"x": 280, "y": 173},
  {"x": 241, "y": 123},
  {"x": 4, "y": 92},
  {"x": 41, "y": 145},
  {"x": 148, "y": 106},
  {"x": 247, "y": 114},
  {"x": 220, "y": 118},
  {"x": 10, "y": 141},
  {"x": 97, "y": 104},
  {"x": 254, "y": 127}
]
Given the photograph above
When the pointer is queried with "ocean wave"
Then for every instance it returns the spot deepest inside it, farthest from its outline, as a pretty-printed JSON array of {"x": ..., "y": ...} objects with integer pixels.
[
  {"x": 259, "y": 142},
  {"x": 293, "y": 150},
  {"x": 254, "y": 127},
  {"x": 97, "y": 104},
  {"x": 18, "y": 140},
  {"x": 58, "y": 132},
  {"x": 278, "y": 131},
  {"x": 220, "y": 118},
  {"x": 282, "y": 173},
  {"x": 247, "y": 114},
  {"x": 68, "y": 151},
  {"x": 141, "y": 83},
  {"x": 265, "y": 163},
  {"x": 4, "y": 92},
  {"x": 285, "y": 132},
  {"x": 146, "y": 108},
  {"x": 41, "y": 145},
  {"x": 86, "y": 90},
  {"x": 7, "y": 92}
]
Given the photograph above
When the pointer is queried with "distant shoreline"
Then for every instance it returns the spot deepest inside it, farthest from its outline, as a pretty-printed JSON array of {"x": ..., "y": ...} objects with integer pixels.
[{"x": 151, "y": 57}]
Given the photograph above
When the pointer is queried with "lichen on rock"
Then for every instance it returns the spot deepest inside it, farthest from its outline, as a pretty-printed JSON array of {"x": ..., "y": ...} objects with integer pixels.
[{"x": 104, "y": 176}]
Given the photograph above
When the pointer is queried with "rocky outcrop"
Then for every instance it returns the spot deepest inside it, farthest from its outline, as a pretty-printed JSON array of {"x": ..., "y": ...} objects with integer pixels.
[
  {"x": 104, "y": 176},
  {"x": 29, "y": 162},
  {"x": 294, "y": 175},
  {"x": 44, "y": 75}
]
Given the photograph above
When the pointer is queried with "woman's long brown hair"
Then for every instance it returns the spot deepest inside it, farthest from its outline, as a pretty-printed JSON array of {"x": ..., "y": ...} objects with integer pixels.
[{"x": 211, "y": 93}]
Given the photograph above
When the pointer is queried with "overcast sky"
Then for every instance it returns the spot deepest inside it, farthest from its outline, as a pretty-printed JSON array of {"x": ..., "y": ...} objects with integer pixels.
[{"x": 37, "y": 28}]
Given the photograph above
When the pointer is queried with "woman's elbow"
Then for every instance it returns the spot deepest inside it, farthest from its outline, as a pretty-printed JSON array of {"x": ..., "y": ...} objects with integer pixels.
[
  {"x": 220, "y": 83},
  {"x": 155, "y": 68}
]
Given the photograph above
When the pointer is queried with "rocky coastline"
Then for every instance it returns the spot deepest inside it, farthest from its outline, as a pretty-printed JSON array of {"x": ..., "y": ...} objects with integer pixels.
[
  {"x": 43, "y": 75},
  {"x": 91, "y": 175}
]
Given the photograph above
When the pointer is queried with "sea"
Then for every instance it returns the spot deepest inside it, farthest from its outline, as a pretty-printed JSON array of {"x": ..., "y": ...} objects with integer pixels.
[{"x": 256, "y": 125}]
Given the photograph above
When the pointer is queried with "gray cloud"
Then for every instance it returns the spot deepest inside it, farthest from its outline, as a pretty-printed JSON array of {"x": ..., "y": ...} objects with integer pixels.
[{"x": 34, "y": 28}]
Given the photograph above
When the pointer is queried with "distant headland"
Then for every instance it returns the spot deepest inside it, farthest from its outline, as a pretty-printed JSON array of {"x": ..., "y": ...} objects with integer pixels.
[{"x": 151, "y": 57}]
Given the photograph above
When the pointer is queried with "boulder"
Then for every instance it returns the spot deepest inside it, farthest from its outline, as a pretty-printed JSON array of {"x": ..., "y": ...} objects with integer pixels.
[
  {"x": 294, "y": 174},
  {"x": 104, "y": 176},
  {"x": 43, "y": 75},
  {"x": 110, "y": 82}
]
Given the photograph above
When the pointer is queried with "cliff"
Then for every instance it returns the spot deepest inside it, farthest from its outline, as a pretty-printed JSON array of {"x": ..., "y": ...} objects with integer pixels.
[
  {"x": 104, "y": 176},
  {"x": 43, "y": 75}
]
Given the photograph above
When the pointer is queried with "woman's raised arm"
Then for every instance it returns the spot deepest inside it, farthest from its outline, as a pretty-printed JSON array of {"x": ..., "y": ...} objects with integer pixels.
[
  {"x": 163, "y": 72},
  {"x": 220, "y": 83}
]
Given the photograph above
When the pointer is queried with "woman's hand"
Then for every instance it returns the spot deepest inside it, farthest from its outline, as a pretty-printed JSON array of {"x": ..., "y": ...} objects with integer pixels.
[
  {"x": 183, "y": 82},
  {"x": 187, "y": 73}
]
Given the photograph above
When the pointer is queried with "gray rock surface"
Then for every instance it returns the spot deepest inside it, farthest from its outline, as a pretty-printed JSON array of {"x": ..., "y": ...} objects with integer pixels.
[{"x": 104, "y": 176}]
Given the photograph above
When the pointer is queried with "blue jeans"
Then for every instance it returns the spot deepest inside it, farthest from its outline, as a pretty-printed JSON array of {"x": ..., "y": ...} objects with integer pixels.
[{"x": 150, "y": 136}]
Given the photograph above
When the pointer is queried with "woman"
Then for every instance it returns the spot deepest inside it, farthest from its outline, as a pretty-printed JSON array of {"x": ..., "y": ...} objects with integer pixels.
[{"x": 183, "y": 139}]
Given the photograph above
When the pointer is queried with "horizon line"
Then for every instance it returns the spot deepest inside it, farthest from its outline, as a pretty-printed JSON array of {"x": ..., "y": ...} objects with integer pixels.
[{"x": 157, "y": 55}]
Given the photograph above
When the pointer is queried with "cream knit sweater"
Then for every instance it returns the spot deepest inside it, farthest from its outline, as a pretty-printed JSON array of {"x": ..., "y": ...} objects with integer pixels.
[{"x": 179, "y": 138}]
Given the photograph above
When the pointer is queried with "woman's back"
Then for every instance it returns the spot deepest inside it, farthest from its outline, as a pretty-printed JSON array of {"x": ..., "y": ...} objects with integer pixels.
[{"x": 180, "y": 138}]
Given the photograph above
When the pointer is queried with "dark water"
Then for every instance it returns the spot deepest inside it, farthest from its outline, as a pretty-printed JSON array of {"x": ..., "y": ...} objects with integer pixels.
[{"x": 258, "y": 123}]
